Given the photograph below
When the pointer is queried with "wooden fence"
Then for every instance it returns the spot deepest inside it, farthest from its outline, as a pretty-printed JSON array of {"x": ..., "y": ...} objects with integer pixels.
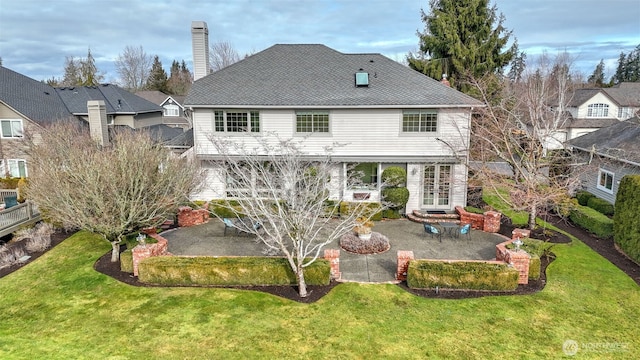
[{"x": 22, "y": 214}]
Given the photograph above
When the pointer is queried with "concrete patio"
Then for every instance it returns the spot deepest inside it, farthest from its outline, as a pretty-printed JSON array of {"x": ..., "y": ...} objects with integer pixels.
[{"x": 208, "y": 240}]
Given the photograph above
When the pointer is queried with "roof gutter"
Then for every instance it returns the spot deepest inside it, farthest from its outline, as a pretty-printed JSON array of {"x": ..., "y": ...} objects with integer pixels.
[
  {"x": 395, "y": 106},
  {"x": 607, "y": 156}
]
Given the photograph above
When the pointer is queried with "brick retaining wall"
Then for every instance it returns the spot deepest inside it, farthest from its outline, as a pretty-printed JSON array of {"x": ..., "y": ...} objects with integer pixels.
[
  {"x": 141, "y": 252},
  {"x": 190, "y": 217}
]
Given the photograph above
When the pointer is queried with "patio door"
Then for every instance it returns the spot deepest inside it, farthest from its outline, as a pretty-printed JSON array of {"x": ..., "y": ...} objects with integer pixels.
[{"x": 436, "y": 190}]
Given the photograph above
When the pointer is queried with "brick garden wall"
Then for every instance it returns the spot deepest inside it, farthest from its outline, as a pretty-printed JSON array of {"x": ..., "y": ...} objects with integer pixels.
[
  {"x": 190, "y": 217},
  {"x": 142, "y": 252}
]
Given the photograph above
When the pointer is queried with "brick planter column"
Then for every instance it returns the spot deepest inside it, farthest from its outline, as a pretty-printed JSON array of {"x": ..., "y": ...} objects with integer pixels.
[
  {"x": 520, "y": 260},
  {"x": 492, "y": 221},
  {"x": 403, "y": 264},
  {"x": 190, "y": 217},
  {"x": 333, "y": 255},
  {"x": 141, "y": 252},
  {"x": 520, "y": 234}
]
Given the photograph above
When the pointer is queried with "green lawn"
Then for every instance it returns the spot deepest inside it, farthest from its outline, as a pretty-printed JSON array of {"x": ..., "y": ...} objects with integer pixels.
[{"x": 58, "y": 307}]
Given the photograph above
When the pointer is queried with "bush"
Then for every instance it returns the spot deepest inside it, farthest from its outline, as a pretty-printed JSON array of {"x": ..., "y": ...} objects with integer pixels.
[
  {"x": 22, "y": 190},
  {"x": 206, "y": 270},
  {"x": 583, "y": 197},
  {"x": 391, "y": 214},
  {"x": 372, "y": 210},
  {"x": 126, "y": 261},
  {"x": 396, "y": 196},
  {"x": 600, "y": 205},
  {"x": 426, "y": 274},
  {"x": 534, "y": 267},
  {"x": 626, "y": 221},
  {"x": 221, "y": 208},
  {"x": 9, "y": 183},
  {"x": 592, "y": 221},
  {"x": 394, "y": 176},
  {"x": 474, "y": 210}
]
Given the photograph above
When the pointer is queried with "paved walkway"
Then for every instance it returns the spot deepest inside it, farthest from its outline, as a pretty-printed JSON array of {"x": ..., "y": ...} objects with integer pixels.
[{"x": 208, "y": 239}]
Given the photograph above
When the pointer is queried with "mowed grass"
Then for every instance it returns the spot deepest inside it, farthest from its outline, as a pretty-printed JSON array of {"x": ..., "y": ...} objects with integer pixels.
[{"x": 59, "y": 307}]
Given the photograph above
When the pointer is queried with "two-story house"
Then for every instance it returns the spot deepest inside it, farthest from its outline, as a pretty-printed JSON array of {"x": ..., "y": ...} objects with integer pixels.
[
  {"x": 28, "y": 105},
  {"x": 385, "y": 113},
  {"x": 592, "y": 109},
  {"x": 172, "y": 105}
]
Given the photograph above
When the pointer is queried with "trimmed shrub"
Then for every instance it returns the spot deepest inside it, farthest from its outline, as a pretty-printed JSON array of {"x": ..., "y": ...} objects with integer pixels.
[
  {"x": 126, "y": 261},
  {"x": 600, "y": 205},
  {"x": 391, "y": 214},
  {"x": 626, "y": 222},
  {"x": 397, "y": 196},
  {"x": 371, "y": 209},
  {"x": 427, "y": 274},
  {"x": 474, "y": 210},
  {"x": 9, "y": 183},
  {"x": 394, "y": 176},
  {"x": 536, "y": 249},
  {"x": 22, "y": 190},
  {"x": 206, "y": 270},
  {"x": 220, "y": 208},
  {"x": 583, "y": 197},
  {"x": 592, "y": 221},
  {"x": 534, "y": 267}
]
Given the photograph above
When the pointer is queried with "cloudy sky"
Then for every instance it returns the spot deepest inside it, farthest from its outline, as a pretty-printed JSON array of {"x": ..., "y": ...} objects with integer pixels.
[{"x": 37, "y": 35}]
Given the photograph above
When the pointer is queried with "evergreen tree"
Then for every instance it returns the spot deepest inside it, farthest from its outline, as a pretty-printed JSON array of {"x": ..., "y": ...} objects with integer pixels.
[
  {"x": 628, "y": 69},
  {"x": 462, "y": 36},
  {"x": 180, "y": 79},
  {"x": 518, "y": 65},
  {"x": 597, "y": 77},
  {"x": 71, "y": 72},
  {"x": 81, "y": 72},
  {"x": 157, "y": 77}
]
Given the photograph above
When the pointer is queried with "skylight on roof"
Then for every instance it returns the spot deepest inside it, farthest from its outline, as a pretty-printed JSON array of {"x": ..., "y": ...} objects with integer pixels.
[{"x": 362, "y": 78}]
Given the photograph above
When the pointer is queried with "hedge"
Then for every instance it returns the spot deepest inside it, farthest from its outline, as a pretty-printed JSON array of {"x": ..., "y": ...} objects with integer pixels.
[
  {"x": 583, "y": 197},
  {"x": 601, "y": 206},
  {"x": 536, "y": 249},
  {"x": 126, "y": 261},
  {"x": 592, "y": 221},
  {"x": 207, "y": 270},
  {"x": 372, "y": 209},
  {"x": 626, "y": 226},
  {"x": 428, "y": 274}
]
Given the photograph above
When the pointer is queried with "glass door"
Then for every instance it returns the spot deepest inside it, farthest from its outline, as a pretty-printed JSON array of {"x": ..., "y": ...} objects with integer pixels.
[{"x": 436, "y": 191}]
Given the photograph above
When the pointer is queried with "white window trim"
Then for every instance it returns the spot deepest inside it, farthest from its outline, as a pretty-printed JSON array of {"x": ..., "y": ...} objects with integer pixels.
[
  {"x": 16, "y": 163},
  {"x": 226, "y": 125},
  {"x": 312, "y": 133},
  {"x": 603, "y": 187},
  {"x": 599, "y": 110},
  {"x": 12, "y": 135},
  {"x": 420, "y": 111},
  {"x": 171, "y": 110}
]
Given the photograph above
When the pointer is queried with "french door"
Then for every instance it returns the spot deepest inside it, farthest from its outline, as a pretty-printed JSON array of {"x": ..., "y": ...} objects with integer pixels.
[{"x": 436, "y": 191}]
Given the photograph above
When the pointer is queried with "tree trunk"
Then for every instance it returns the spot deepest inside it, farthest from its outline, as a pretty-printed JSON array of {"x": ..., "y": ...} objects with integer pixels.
[
  {"x": 302, "y": 285},
  {"x": 115, "y": 251},
  {"x": 532, "y": 216}
]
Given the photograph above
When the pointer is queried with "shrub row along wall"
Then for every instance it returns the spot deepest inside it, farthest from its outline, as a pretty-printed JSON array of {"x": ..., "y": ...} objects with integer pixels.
[
  {"x": 141, "y": 252},
  {"x": 592, "y": 221},
  {"x": 474, "y": 275},
  {"x": 206, "y": 270},
  {"x": 627, "y": 219}
]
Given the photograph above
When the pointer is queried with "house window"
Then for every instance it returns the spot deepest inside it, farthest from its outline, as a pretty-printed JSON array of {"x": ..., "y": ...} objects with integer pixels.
[
  {"x": 419, "y": 121},
  {"x": 11, "y": 128},
  {"x": 171, "y": 110},
  {"x": 625, "y": 113},
  {"x": 363, "y": 175},
  {"x": 312, "y": 122},
  {"x": 15, "y": 168},
  {"x": 605, "y": 181},
  {"x": 244, "y": 181},
  {"x": 598, "y": 110},
  {"x": 236, "y": 121}
]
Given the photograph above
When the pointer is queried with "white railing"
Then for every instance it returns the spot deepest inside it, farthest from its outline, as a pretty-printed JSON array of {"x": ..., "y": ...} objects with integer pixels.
[
  {"x": 8, "y": 192},
  {"x": 12, "y": 218}
]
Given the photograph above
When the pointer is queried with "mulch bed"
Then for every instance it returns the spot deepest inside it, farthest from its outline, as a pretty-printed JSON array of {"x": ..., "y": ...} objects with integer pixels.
[{"x": 604, "y": 247}]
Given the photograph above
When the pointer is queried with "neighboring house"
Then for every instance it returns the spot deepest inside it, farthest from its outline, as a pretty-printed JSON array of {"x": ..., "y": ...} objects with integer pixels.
[
  {"x": 173, "y": 110},
  {"x": 385, "y": 113},
  {"x": 614, "y": 151},
  {"x": 592, "y": 109},
  {"x": 28, "y": 105}
]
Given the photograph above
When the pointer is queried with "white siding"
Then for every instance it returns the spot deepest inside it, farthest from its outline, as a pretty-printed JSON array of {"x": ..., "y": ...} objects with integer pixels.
[{"x": 598, "y": 99}]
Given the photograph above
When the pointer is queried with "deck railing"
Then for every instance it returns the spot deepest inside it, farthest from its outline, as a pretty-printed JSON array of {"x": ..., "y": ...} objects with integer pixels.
[{"x": 16, "y": 216}]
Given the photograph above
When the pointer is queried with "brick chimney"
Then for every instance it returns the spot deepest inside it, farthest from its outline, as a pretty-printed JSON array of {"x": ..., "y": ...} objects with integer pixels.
[
  {"x": 445, "y": 81},
  {"x": 98, "y": 121},
  {"x": 200, "y": 46}
]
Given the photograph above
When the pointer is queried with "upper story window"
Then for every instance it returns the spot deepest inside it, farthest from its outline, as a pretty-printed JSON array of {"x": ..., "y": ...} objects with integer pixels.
[
  {"x": 419, "y": 121},
  {"x": 625, "y": 113},
  {"x": 236, "y": 121},
  {"x": 11, "y": 128},
  {"x": 598, "y": 110},
  {"x": 312, "y": 122},
  {"x": 171, "y": 110},
  {"x": 605, "y": 181}
]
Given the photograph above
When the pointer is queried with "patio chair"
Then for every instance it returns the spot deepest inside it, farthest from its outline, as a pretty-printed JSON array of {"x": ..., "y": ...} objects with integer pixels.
[
  {"x": 433, "y": 231},
  {"x": 10, "y": 201},
  {"x": 466, "y": 230},
  {"x": 229, "y": 224}
]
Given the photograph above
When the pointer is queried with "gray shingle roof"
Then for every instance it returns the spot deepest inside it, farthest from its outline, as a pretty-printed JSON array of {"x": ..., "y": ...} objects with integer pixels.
[
  {"x": 316, "y": 75},
  {"x": 33, "y": 99},
  {"x": 620, "y": 140},
  {"x": 624, "y": 94},
  {"x": 117, "y": 100}
]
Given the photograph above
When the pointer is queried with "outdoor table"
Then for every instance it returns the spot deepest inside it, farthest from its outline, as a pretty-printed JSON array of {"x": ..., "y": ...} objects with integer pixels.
[{"x": 451, "y": 228}]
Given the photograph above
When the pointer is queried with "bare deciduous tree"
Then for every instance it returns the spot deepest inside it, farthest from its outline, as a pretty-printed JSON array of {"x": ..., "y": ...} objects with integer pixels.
[
  {"x": 523, "y": 127},
  {"x": 221, "y": 55},
  {"x": 290, "y": 194},
  {"x": 133, "y": 66},
  {"x": 113, "y": 190}
]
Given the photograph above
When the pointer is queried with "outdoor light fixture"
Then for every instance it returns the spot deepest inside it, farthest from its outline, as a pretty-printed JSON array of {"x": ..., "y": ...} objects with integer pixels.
[
  {"x": 142, "y": 239},
  {"x": 517, "y": 243}
]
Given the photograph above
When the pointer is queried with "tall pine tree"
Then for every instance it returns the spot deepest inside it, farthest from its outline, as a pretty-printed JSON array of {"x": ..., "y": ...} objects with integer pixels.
[
  {"x": 460, "y": 36},
  {"x": 597, "y": 77},
  {"x": 157, "y": 77}
]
